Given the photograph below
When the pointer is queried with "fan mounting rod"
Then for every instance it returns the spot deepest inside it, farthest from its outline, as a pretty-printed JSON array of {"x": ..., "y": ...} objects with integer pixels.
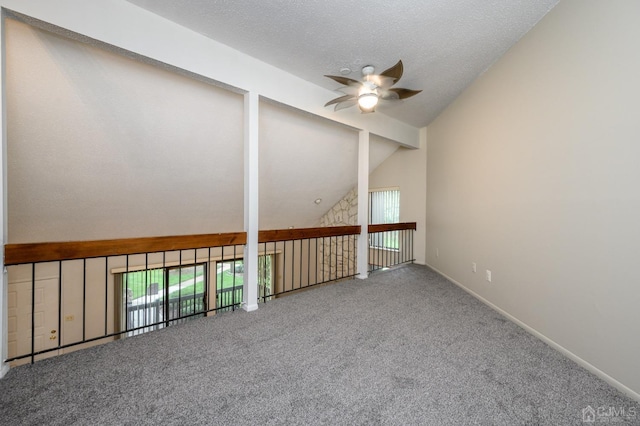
[{"x": 368, "y": 70}]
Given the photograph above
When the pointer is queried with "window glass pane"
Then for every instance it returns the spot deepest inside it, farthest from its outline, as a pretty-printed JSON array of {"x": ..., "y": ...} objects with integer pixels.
[{"x": 384, "y": 207}]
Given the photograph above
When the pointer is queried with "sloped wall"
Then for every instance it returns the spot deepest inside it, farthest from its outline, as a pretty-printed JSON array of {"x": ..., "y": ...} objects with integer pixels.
[
  {"x": 102, "y": 146},
  {"x": 533, "y": 174}
]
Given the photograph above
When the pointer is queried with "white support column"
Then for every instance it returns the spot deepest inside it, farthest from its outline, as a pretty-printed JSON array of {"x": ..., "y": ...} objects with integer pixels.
[
  {"x": 4, "y": 335},
  {"x": 251, "y": 123},
  {"x": 363, "y": 203}
]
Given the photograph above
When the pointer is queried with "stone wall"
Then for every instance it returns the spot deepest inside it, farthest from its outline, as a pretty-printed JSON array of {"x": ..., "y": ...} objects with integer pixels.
[{"x": 338, "y": 254}]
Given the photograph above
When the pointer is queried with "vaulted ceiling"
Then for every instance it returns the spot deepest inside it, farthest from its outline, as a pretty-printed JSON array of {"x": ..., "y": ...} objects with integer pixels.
[
  {"x": 104, "y": 146},
  {"x": 444, "y": 44}
]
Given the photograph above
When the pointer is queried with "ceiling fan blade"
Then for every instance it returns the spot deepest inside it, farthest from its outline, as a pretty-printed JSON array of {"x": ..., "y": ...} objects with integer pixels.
[
  {"x": 404, "y": 93},
  {"x": 345, "y": 104},
  {"x": 340, "y": 99},
  {"x": 394, "y": 72},
  {"x": 383, "y": 82},
  {"x": 344, "y": 80},
  {"x": 388, "y": 95},
  {"x": 349, "y": 90}
]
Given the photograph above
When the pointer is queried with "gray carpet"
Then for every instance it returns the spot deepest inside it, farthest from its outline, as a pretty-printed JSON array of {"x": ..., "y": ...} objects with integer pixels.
[{"x": 402, "y": 347}]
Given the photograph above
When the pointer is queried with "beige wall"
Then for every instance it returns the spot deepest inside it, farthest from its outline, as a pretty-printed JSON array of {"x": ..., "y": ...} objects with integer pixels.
[
  {"x": 533, "y": 173},
  {"x": 407, "y": 170},
  {"x": 103, "y": 146}
]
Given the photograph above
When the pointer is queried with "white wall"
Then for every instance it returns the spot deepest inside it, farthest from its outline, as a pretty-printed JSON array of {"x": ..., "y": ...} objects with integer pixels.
[
  {"x": 302, "y": 158},
  {"x": 533, "y": 173},
  {"x": 103, "y": 146},
  {"x": 407, "y": 170}
]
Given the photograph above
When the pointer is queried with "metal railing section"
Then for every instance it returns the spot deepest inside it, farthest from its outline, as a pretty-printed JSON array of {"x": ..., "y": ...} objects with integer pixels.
[
  {"x": 76, "y": 294},
  {"x": 390, "y": 245},
  {"x": 303, "y": 258}
]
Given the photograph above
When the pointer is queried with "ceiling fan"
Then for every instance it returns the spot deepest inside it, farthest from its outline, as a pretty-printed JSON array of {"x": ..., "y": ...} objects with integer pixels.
[{"x": 372, "y": 89}]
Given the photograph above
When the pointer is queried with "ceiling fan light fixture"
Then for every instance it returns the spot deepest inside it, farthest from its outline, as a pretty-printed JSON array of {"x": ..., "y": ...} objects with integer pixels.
[
  {"x": 366, "y": 93},
  {"x": 368, "y": 101}
]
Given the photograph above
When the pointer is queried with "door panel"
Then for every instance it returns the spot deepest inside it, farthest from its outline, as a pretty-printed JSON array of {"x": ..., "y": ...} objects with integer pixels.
[{"x": 45, "y": 318}]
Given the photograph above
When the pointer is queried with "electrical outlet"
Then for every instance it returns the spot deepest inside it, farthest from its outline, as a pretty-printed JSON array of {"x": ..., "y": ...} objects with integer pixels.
[
  {"x": 474, "y": 267},
  {"x": 488, "y": 276}
]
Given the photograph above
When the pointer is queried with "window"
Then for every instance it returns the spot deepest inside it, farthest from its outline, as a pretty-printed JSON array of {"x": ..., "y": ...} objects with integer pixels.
[
  {"x": 153, "y": 297},
  {"x": 384, "y": 207},
  {"x": 230, "y": 281}
]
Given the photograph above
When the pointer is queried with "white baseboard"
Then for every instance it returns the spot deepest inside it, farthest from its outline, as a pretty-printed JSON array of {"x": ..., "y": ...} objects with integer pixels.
[
  {"x": 250, "y": 308},
  {"x": 4, "y": 369},
  {"x": 601, "y": 374}
]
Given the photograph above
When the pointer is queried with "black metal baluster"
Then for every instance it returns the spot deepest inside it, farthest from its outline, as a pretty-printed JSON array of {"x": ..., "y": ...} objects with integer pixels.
[
  {"x": 106, "y": 293},
  {"x": 341, "y": 254},
  {"x": 308, "y": 261},
  {"x": 241, "y": 290},
  {"x": 293, "y": 265},
  {"x": 59, "y": 303},
  {"x": 126, "y": 293},
  {"x": 166, "y": 308},
  {"x": 284, "y": 267},
  {"x": 179, "y": 286},
  {"x": 324, "y": 258},
  {"x": 300, "y": 264},
  {"x": 207, "y": 286},
  {"x": 236, "y": 302},
  {"x": 222, "y": 294},
  {"x": 84, "y": 298},
  {"x": 315, "y": 280},
  {"x": 33, "y": 311},
  {"x": 145, "y": 283},
  {"x": 195, "y": 279}
]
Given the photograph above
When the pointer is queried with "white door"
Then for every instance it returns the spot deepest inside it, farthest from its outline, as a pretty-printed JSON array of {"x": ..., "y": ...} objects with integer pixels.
[{"x": 46, "y": 333}]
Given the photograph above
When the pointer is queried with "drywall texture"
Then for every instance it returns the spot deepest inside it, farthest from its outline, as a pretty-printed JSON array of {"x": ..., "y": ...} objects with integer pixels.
[
  {"x": 302, "y": 158},
  {"x": 407, "y": 169},
  {"x": 101, "y": 146},
  {"x": 533, "y": 174}
]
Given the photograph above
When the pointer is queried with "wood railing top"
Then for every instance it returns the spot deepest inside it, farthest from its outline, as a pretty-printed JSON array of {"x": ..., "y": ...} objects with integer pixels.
[
  {"x": 392, "y": 227},
  {"x": 15, "y": 254},
  {"x": 305, "y": 233}
]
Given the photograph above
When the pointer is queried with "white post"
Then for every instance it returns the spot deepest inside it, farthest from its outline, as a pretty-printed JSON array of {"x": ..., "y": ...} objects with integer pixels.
[
  {"x": 4, "y": 335},
  {"x": 363, "y": 203},
  {"x": 251, "y": 123}
]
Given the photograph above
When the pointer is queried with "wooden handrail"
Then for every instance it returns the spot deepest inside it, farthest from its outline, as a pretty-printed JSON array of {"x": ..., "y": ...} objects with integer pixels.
[
  {"x": 305, "y": 233},
  {"x": 15, "y": 254},
  {"x": 392, "y": 227}
]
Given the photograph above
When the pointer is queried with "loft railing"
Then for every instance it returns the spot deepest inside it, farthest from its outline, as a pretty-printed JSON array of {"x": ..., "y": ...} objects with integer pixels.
[
  {"x": 303, "y": 258},
  {"x": 390, "y": 244},
  {"x": 76, "y": 294}
]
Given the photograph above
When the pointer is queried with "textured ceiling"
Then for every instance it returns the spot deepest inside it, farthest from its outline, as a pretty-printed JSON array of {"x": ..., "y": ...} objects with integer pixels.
[{"x": 444, "y": 44}]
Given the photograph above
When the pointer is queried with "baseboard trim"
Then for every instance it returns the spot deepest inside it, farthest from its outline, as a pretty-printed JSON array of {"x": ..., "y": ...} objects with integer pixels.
[
  {"x": 4, "y": 369},
  {"x": 581, "y": 362},
  {"x": 250, "y": 308}
]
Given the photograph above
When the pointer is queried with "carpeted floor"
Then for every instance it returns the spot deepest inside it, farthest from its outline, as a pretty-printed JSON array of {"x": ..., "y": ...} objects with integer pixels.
[{"x": 402, "y": 347}]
